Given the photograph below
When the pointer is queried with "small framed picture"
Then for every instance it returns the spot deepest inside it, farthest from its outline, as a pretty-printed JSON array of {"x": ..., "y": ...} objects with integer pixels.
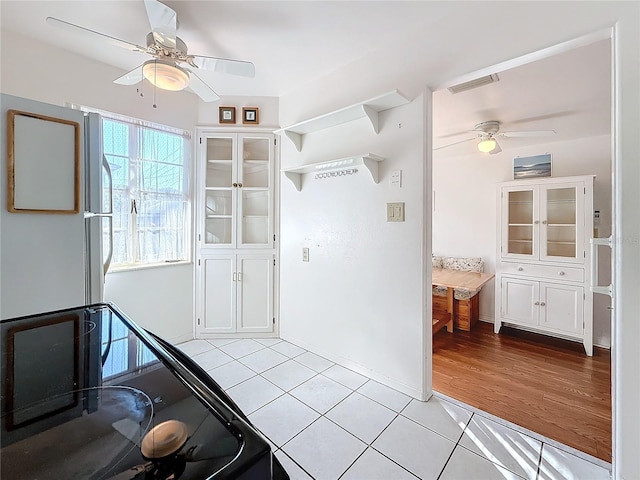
[
  {"x": 250, "y": 115},
  {"x": 227, "y": 114}
]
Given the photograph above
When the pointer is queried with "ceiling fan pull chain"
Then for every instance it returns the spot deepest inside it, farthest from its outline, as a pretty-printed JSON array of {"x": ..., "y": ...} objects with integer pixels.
[
  {"x": 141, "y": 89},
  {"x": 155, "y": 82}
]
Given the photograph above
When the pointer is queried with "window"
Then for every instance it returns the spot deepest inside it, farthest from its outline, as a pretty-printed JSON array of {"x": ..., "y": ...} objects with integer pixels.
[{"x": 151, "y": 208}]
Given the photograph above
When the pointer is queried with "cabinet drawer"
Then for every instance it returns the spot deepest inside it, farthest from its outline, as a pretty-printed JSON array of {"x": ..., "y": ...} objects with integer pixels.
[{"x": 569, "y": 274}]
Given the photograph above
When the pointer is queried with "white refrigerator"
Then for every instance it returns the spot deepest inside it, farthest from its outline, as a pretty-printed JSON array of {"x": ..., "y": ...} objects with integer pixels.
[{"x": 51, "y": 259}]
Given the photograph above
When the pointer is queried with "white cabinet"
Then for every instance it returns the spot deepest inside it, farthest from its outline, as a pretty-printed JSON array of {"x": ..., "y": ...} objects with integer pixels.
[
  {"x": 543, "y": 222},
  {"x": 236, "y": 189},
  {"x": 549, "y": 306},
  {"x": 544, "y": 231},
  {"x": 235, "y": 244},
  {"x": 237, "y": 294}
]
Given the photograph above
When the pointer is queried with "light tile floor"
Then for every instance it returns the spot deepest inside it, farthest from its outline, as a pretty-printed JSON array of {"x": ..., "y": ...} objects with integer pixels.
[{"x": 326, "y": 422}]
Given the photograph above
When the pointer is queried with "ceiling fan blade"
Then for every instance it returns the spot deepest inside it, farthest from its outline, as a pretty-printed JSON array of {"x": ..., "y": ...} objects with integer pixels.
[
  {"x": 528, "y": 133},
  {"x": 200, "y": 88},
  {"x": 130, "y": 78},
  {"x": 78, "y": 29},
  {"x": 455, "y": 143},
  {"x": 224, "y": 65},
  {"x": 163, "y": 22}
]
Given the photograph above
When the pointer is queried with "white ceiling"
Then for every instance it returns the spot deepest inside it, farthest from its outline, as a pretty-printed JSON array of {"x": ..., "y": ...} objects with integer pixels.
[
  {"x": 569, "y": 93},
  {"x": 293, "y": 43},
  {"x": 290, "y": 42}
]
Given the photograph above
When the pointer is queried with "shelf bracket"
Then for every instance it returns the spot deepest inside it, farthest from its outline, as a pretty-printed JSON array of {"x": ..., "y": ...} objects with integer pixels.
[
  {"x": 372, "y": 166},
  {"x": 296, "y": 138},
  {"x": 295, "y": 178},
  {"x": 373, "y": 118}
]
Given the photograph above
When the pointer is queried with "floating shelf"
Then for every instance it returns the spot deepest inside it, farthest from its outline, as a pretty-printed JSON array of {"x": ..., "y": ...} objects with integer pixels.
[
  {"x": 369, "y": 108},
  {"x": 368, "y": 160}
]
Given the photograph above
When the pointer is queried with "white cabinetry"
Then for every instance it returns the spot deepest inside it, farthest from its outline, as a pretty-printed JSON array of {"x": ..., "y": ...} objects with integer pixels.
[
  {"x": 237, "y": 294},
  {"x": 551, "y": 306},
  {"x": 544, "y": 231},
  {"x": 235, "y": 240}
]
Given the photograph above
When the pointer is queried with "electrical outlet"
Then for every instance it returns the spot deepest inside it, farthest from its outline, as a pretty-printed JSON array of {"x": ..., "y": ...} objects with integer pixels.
[{"x": 305, "y": 254}]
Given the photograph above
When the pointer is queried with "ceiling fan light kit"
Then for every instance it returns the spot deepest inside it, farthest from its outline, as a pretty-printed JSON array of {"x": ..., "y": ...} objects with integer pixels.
[
  {"x": 488, "y": 131},
  {"x": 487, "y": 145},
  {"x": 163, "y": 74}
]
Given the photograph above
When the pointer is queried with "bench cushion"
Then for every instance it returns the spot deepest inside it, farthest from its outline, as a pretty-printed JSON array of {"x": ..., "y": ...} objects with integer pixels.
[{"x": 465, "y": 264}]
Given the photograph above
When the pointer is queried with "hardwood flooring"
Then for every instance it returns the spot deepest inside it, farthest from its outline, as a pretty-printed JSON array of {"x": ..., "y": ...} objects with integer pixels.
[{"x": 541, "y": 383}]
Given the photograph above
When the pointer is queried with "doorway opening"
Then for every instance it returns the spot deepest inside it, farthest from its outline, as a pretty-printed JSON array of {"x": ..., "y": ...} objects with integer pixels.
[{"x": 544, "y": 383}]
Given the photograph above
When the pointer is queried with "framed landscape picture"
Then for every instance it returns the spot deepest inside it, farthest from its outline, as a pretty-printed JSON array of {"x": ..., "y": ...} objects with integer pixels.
[{"x": 530, "y": 167}]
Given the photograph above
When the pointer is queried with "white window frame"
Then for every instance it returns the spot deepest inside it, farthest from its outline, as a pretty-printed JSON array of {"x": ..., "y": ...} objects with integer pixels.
[{"x": 135, "y": 165}]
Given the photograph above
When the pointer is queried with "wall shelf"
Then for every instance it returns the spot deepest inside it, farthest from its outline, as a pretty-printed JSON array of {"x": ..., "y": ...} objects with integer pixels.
[
  {"x": 369, "y": 108},
  {"x": 368, "y": 160}
]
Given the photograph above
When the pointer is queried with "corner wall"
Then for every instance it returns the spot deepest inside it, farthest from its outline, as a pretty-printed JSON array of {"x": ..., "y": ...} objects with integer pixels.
[{"x": 358, "y": 300}]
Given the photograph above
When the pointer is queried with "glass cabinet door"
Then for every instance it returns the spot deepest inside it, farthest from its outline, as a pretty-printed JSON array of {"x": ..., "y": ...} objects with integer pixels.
[
  {"x": 219, "y": 203},
  {"x": 560, "y": 225},
  {"x": 254, "y": 192},
  {"x": 519, "y": 234}
]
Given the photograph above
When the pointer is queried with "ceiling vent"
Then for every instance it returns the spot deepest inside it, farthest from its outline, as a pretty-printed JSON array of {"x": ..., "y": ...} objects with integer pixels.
[{"x": 475, "y": 83}]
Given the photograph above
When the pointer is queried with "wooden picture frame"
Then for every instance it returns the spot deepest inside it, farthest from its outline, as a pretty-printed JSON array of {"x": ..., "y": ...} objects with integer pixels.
[
  {"x": 43, "y": 164},
  {"x": 250, "y": 115},
  {"x": 227, "y": 114}
]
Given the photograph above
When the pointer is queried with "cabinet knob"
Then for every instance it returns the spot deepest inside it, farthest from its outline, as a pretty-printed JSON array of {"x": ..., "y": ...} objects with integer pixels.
[
  {"x": 235, "y": 184},
  {"x": 240, "y": 185},
  {"x": 520, "y": 269},
  {"x": 542, "y": 304},
  {"x": 537, "y": 222},
  {"x": 560, "y": 273},
  {"x": 544, "y": 222},
  {"x": 536, "y": 303}
]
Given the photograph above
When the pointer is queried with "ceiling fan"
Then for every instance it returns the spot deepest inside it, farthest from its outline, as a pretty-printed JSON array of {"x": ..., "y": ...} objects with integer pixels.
[
  {"x": 488, "y": 131},
  {"x": 171, "y": 67}
]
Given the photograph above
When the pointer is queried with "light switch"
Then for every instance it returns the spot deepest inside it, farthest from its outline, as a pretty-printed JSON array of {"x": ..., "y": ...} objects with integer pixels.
[
  {"x": 395, "y": 212},
  {"x": 305, "y": 254}
]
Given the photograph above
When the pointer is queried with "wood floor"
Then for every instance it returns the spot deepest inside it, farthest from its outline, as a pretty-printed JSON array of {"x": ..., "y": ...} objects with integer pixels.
[{"x": 541, "y": 383}]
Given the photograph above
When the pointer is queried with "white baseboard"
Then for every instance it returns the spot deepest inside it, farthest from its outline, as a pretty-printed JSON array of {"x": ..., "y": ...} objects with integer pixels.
[
  {"x": 356, "y": 367},
  {"x": 180, "y": 338}
]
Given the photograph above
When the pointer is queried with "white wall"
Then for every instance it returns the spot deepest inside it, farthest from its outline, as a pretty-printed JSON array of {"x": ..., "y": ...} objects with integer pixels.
[
  {"x": 160, "y": 299},
  {"x": 157, "y": 298},
  {"x": 465, "y": 212},
  {"x": 361, "y": 291},
  {"x": 546, "y": 24}
]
